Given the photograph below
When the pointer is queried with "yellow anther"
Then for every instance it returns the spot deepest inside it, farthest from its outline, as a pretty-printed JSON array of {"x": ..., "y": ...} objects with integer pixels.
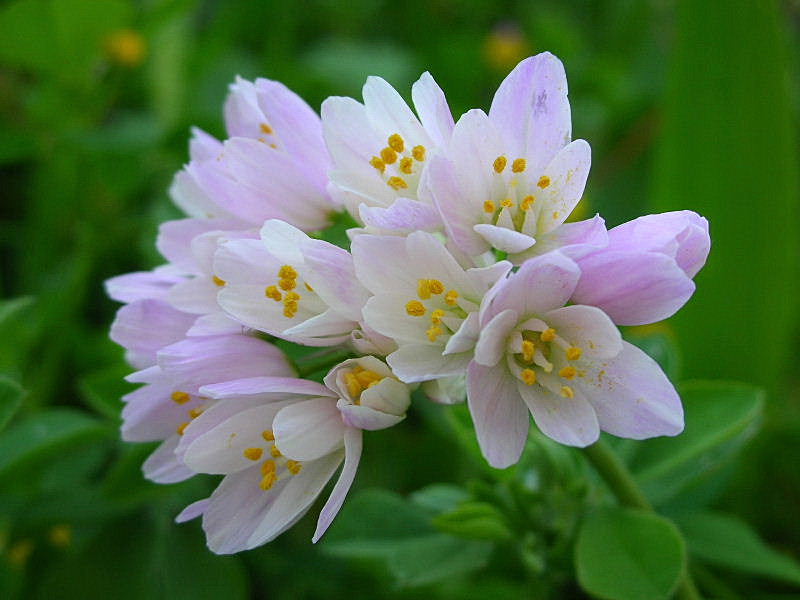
[
  {"x": 418, "y": 152},
  {"x": 268, "y": 466},
  {"x": 294, "y": 466},
  {"x": 396, "y": 142},
  {"x": 556, "y": 214},
  {"x": 528, "y": 376},
  {"x": 500, "y": 164},
  {"x": 507, "y": 203},
  {"x": 389, "y": 156},
  {"x": 378, "y": 163},
  {"x": 434, "y": 332},
  {"x": 528, "y": 350},
  {"x": 274, "y": 452},
  {"x": 181, "y": 428},
  {"x": 268, "y": 435},
  {"x": 290, "y": 310},
  {"x": 195, "y": 412},
  {"x": 406, "y": 165},
  {"x": 273, "y": 146},
  {"x": 436, "y": 316},
  {"x": 397, "y": 183},
  {"x": 544, "y": 181},
  {"x": 273, "y": 292},
  {"x": 308, "y": 287},
  {"x": 354, "y": 387},
  {"x": 287, "y": 284},
  {"x": 435, "y": 286},
  {"x": 574, "y": 353},
  {"x": 368, "y": 378},
  {"x": 527, "y": 202},
  {"x": 291, "y": 297},
  {"x": 268, "y": 480},
  {"x": 567, "y": 391},
  {"x": 489, "y": 207},
  {"x": 180, "y": 397},
  {"x": 253, "y": 453},
  {"x": 287, "y": 272},
  {"x": 568, "y": 372},
  {"x": 218, "y": 281},
  {"x": 451, "y": 298},
  {"x": 424, "y": 289},
  {"x": 519, "y": 164},
  {"x": 548, "y": 335},
  {"x": 265, "y": 128},
  {"x": 415, "y": 308}
]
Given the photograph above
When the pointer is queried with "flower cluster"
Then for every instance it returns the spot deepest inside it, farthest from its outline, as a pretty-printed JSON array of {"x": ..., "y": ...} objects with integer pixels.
[{"x": 463, "y": 278}]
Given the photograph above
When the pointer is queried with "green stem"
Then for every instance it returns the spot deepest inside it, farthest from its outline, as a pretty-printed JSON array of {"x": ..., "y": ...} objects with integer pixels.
[
  {"x": 321, "y": 361},
  {"x": 620, "y": 481}
]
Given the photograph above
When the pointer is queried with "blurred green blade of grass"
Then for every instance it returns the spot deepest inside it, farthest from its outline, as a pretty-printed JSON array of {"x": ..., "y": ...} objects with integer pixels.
[{"x": 728, "y": 150}]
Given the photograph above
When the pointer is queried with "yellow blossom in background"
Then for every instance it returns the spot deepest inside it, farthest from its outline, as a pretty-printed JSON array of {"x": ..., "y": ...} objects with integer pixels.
[
  {"x": 505, "y": 46},
  {"x": 61, "y": 535},
  {"x": 126, "y": 47},
  {"x": 20, "y": 552}
]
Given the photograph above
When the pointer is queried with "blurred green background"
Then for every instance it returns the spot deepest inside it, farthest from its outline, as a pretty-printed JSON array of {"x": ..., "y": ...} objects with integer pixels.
[{"x": 686, "y": 104}]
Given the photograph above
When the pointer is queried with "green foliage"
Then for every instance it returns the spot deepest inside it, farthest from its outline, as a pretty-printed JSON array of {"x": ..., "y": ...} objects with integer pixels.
[
  {"x": 627, "y": 554},
  {"x": 11, "y": 394}
]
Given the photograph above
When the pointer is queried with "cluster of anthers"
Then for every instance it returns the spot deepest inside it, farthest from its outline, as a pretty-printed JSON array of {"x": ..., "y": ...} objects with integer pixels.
[{"x": 396, "y": 164}]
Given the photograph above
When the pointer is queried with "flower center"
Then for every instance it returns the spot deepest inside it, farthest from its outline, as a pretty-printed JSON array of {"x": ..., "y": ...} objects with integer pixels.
[
  {"x": 197, "y": 407},
  {"x": 444, "y": 306},
  {"x": 359, "y": 379},
  {"x": 284, "y": 292},
  {"x": 269, "y": 135},
  {"x": 274, "y": 466},
  {"x": 397, "y": 163}
]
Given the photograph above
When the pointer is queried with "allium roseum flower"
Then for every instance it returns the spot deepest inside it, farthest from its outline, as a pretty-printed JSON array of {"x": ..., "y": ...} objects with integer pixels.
[{"x": 567, "y": 365}]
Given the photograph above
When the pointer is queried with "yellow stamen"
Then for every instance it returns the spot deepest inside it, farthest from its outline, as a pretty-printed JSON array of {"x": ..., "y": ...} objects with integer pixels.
[
  {"x": 418, "y": 152},
  {"x": 368, "y": 378},
  {"x": 195, "y": 412},
  {"x": 567, "y": 391},
  {"x": 180, "y": 397},
  {"x": 556, "y": 214},
  {"x": 218, "y": 281},
  {"x": 568, "y": 372},
  {"x": 507, "y": 203},
  {"x": 287, "y": 284},
  {"x": 548, "y": 335},
  {"x": 489, "y": 207},
  {"x": 434, "y": 332},
  {"x": 435, "y": 286},
  {"x": 272, "y": 292},
  {"x": 397, "y": 183},
  {"x": 528, "y": 350},
  {"x": 292, "y": 297},
  {"x": 378, "y": 163},
  {"x": 500, "y": 164},
  {"x": 287, "y": 272},
  {"x": 268, "y": 466},
  {"x": 268, "y": 435},
  {"x": 253, "y": 453},
  {"x": 406, "y": 165},
  {"x": 308, "y": 287},
  {"x": 268, "y": 481},
  {"x": 451, "y": 298},
  {"x": 415, "y": 308},
  {"x": 544, "y": 181},
  {"x": 265, "y": 128},
  {"x": 353, "y": 385},
  {"x": 294, "y": 466},
  {"x": 275, "y": 452},
  {"x": 436, "y": 316},
  {"x": 290, "y": 310},
  {"x": 389, "y": 156},
  {"x": 181, "y": 428},
  {"x": 527, "y": 202},
  {"x": 396, "y": 142},
  {"x": 528, "y": 376},
  {"x": 424, "y": 289},
  {"x": 519, "y": 164},
  {"x": 574, "y": 353}
]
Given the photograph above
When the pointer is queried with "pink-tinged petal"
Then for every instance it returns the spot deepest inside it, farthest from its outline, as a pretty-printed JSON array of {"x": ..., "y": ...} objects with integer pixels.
[
  {"x": 680, "y": 234},
  {"x": 574, "y": 240},
  {"x": 220, "y": 450},
  {"x": 389, "y": 397},
  {"x": 387, "y": 111},
  {"x": 381, "y": 263},
  {"x": 632, "y": 396},
  {"x": 531, "y": 110},
  {"x": 191, "y": 197},
  {"x": 174, "y": 240},
  {"x": 309, "y": 429},
  {"x": 500, "y": 418},
  {"x": 245, "y": 262},
  {"x": 420, "y": 362},
  {"x": 145, "y": 326},
  {"x": 151, "y": 415},
  {"x": 328, "y": 329},
  {"x": 486, "y": 277},
  {"x": 541, "y": 284},
  {"x": 492, "y": 344},
  {"x": 427, "y": 253},
  {"x": 505, "y": 240},
  {"x": 162, "y": 466},
  {"x": 447, "y": 390},
  {"x": 194, "y": 510},
  {"x": 431, "y": 106},
  {"x": 266, "y": 388},
  {"x": 284, "y": 241},
  {"x": 568, "y": 172},
  {"x": 588, "y": 328},
  {"x": 633, "y": 288},
  {"x": 197, "y": 295},
  {"x": 296, "y": 498},
  {"x": 350, "y": 138},
  {"x": 570, "y": 421},
  {"x": 331, "y": 273},
  {"x": 352, "y": 456},
  {"x": 363, "y": 417},
  {"x": 203, "y": 146},
  {"x": 404, "y": 215},
  {"x": 387, "y": 314},
  {"x": 465, "y": 337},
  {"x": 217, "y": 323},
  {"x": 142, "y": 285}
]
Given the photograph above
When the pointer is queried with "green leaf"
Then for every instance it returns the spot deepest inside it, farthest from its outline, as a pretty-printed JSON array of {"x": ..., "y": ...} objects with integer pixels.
[
  {"x": 429, "y": 559},
  {"x": 12, "y": 308},
  {"x": 720, "y": 417},
  {"x": 439, "y": 497},
  {"x": 167, "y": 73},
  {"x": 11, "y": 394},
  {"x": 42, "y": 435},
  {"x": 729, "y": 151},
  {"x": 627, "y": 554},
  {"x": 103, "y": 390},
  {"x": 727, "y": 541},
  {"x": 474, "y": 520}
]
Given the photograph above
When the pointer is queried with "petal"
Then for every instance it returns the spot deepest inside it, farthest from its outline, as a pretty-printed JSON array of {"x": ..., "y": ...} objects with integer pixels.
[
  {"x": 326, "y": 329},
  {"x": 389, "y": 397},
  {"x": 418, "y": 362},
  {"x": 145, "y": 326},
  {"x": 574, "y": 240},
  {"x": 197, "y": 295},
  {"x": 492, "y": 343},
  {"x": 309, "y": 429},
  {"x": 142, "y": 285},
  {"x": 387, "y": 314},
  {"x": 431, "y": 106},
  {"x": 446, "y": 390},
  {"x": 570, "y": 421},
  {"x": 352, "y": 456},
  {"x": 217, "y": 323},
  {"x": 246, "y": 262},
  {"x": 332, "y": 275},
  {"x": 349, "y": 135},
  {"x": 194, "y": 510},
  {"x": 500, "y": 418},
  {"x": 466, "y": 337},
  {"x": 505, "y": 240},
  {"x": 632, "y": 396},
  {"x": 266, "y": 388},
  {"x": 568, "y": 172},
  {"x": 363, "y": 417},
  {"x": 162, "y": 466},
  {"x": 588, "y": 328},
  {"x": 174, "y": 240},
  {"x": 403, "y": 215},
  {"x": 381, "y": 263},
  {"x": 388, "y": 112}
]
